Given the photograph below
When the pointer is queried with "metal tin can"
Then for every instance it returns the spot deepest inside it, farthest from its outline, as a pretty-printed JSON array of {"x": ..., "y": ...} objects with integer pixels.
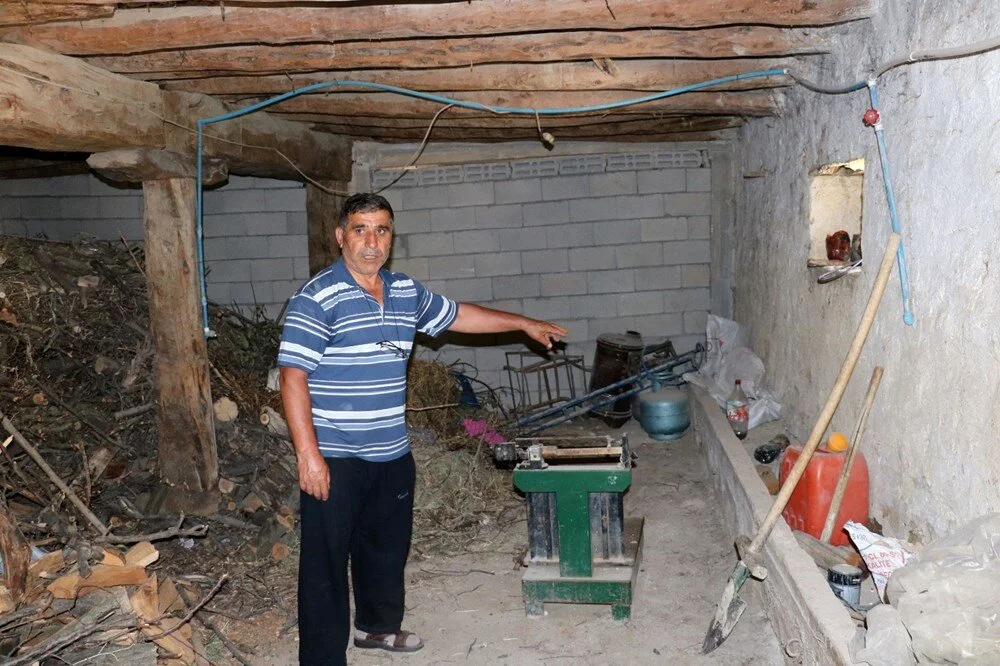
[{"x": 845, "y": 581}]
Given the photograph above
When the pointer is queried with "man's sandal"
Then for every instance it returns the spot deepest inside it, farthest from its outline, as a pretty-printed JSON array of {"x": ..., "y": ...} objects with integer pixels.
[{"x": 403, "y": 641}]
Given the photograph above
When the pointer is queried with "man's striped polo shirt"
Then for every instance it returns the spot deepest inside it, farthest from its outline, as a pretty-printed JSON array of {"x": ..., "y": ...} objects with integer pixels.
[{"x": 350, "y": 346}]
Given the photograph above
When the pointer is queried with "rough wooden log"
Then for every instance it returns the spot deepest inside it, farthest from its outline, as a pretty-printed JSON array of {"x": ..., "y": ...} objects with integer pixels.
[
  {"x": 73, "y": 585},
  {"x": 388, "y": 105},
  {"x": 86, "y": 109},
  {"x": 30, "y": 13},
  {"x": 135, "y": 165},
  {"x": 737, "y": 42},
  {"x": 157, "y": 28},
  {"x": 16, "y": 554},
  {"x": 637, "y": 75},
  {"x": 322, "y": 217},
  {"x": 186, "y": 435}
]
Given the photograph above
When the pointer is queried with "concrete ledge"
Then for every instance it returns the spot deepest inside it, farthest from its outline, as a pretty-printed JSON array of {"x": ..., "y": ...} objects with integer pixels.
[{"x": 810, "y": 622}]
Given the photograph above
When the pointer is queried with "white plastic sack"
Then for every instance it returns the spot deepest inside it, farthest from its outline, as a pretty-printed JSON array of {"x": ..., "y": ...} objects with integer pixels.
[
  {"x": 882, "y": 555},
  {"x": 886, "y": 641},
  {"x": 727, "y": 359},
  {"x": 948, "y": 596}
]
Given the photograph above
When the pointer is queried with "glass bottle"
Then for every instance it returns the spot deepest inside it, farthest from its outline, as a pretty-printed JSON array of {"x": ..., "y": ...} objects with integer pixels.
[{"x": 738, "y": 411}]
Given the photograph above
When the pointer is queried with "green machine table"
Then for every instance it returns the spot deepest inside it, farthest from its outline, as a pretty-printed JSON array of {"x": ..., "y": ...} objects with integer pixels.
[{"x": 582, "y": 549}]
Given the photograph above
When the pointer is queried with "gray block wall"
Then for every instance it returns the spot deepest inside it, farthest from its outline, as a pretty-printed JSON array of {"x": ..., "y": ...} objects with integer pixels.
[
  {"x": 601, "y": 243},
  {"x": 256, "y": 252}
]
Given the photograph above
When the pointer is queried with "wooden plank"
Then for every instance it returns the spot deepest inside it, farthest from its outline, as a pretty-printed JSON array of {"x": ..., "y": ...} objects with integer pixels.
[
  {"x": 389, "y": 105},
  {"x": 14, "y": 13},
  {"x": 715, "y": 43},
  {"x": 186, "y": 450},
  {"x": 89, "y": 110},
  {"x": 141, "y": 554},
  {"x": 323, "y": 216},
  {"x": 157, "y": 28},
  {"x": 74, "y": 585},
  {"x": 135, "y": 165},
  {"x": 16, "y": 554},
  {"x": 626, "y": 75}
]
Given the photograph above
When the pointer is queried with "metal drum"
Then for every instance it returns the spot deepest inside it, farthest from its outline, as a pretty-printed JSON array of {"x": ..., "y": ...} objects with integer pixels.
[{"x": 616, "y": 358}]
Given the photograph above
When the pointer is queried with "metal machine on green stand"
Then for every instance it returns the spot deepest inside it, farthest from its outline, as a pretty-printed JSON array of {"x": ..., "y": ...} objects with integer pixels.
[{"x": 582, "y": 549}]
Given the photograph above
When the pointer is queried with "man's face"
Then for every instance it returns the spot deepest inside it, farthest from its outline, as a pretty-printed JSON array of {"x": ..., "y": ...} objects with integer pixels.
[{"x": 365, "y": 242}]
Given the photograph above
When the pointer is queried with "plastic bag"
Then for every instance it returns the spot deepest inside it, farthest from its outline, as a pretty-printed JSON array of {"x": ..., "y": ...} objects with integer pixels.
[
  {"x": 948, "y": 596},
  {"x": 886, "y": 641},
  {"x": 729, "y": 358},
  {"x": 882, "y": 555}
]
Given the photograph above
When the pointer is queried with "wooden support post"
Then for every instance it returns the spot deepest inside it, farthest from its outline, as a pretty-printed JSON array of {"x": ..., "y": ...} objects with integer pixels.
[
  {"x": 186, "y": 449},
  {"x": 323, "y": 216}
]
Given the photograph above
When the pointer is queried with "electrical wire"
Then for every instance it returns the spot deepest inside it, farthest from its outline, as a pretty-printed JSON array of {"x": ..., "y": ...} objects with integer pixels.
[{"x": 420, "y": 150}]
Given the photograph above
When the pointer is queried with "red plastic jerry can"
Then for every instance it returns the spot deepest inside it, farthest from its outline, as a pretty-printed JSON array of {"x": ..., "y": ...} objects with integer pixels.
[{"x": 810, "y": 502}]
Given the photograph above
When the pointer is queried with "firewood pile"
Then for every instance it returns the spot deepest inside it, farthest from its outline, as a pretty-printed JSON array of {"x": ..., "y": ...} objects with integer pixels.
[{"x": 81, "y": 504}]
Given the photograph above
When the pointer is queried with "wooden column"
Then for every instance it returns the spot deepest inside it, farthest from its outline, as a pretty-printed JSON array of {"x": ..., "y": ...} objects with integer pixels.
[
  {"x": 323, "y": 216},
  {"x": 186, "y": 449}
]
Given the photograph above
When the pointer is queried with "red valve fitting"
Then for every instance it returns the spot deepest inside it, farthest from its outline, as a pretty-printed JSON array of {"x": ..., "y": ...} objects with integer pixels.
[{"x": 870, "y": 118}]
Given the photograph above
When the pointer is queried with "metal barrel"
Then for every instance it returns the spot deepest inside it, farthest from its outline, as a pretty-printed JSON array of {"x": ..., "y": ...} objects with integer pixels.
[{"x": 617, "y": 357}]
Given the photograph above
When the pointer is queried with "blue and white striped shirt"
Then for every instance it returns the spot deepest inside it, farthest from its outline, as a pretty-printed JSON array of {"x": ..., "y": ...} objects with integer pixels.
[{"x": 335, "y": 331}]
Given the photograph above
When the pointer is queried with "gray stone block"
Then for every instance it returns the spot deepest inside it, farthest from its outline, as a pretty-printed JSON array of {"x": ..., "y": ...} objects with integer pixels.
[
  {"x": 687, "y": 204},
  {"x": 642, "y": 254},
  {"x": 282, "y": 290},
  {"x": 100, "y": 188},
  {"x": 517, "y": 191},
  {"x": 664, "y": 229},
  {"x": 233, "y": 201},
  {"x": 473, "y": 290},
  {"x": 600, "y": 325},
  {"x": 248, "y": 247},
  {"x": 696, "y": 276},
  {"x": 544, "y": 261},
  {"x": 435, "y": 244},
  {"x": 266, "y": 224},
  {"x": 591, "y": 258},
  {"x": 657, "y": 278},
  {"x": 287, "y": 246},
  {"x": 617, "y": 232},
  {"x": 660, "y": 324},
  {"x": 640, "y": 303},
  {"x": 564, "y": 284},
  {"x": 540, "y": 214},
  {"x": 44, "y": 208},
  {"x": 662, "y": 180},
  {"x": 565, "y": 187},
  {"x": 694, "y": 322},
  {"x": 241, "y": 183},
  {"x": 686, "y": 252},
  {"x": 249, "y": 294},
  {"x": 456, "y": 266},
  {"x": 579, "y": 332},
  {"x": 471, "y": 194},
  {"x": 616, "y": 208},
  {"x": 297, "y": 224},
  {"x": 605, "y": 282},
  {"x": 285, "y": 199},
  {"x": 10, "y": 207},
  {"x": 507, "y": 305},
  {"x": 224, "y": 225},
  {"x": 414, "y": 222},
  {"x": 680, "y": 300},
  {"x": 592, "y": 306},
  {"x": 684, "y": 343},
  {"x": 129, "y": 228},
  {"x": 400, "y": 248},
  {"x": 432, "y": 196},
  {"x": 416, "y": 268},
  {"x": 215, "y": 249},
  {"x": 699, "y": 228},
  {"x": 68, "y": 186},
  {"x": 580, "y": 234},
  {"x": 272, "y": 269},
  {"x": 523, "y": 239},
  {"x": 546, "y": 308},
  {"x": 699, "y": 180},
  {"x": 233, "y": 270},
  {"x": 448, "y": 219},
  {"x": 477, "y": 241},
  {"x": 498, "y": 263},
  {"x": 218, "y": 292},
  {"x": 301, "y": 265},
  {"x": 516, "y": 286},
  {"x": 612, "y": 184},
  {"x": 507, "y": 216},
  {"x": 490, "y": 359}
]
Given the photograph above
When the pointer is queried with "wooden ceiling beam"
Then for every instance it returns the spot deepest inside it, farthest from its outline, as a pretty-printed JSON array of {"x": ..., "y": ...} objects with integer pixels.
[
  {"x": 735, "y": 42},
  {"x": 16, "y": 13},
  {"x": 83, "y": 108},
  {"x": 159, "y": 28},
  {"x": 752, "y": 103},
  {"x": 633, "y": 75}
]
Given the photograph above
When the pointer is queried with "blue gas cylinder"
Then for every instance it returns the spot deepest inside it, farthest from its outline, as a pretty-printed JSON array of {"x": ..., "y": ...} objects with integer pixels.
[{"x": 664, "y": 413}]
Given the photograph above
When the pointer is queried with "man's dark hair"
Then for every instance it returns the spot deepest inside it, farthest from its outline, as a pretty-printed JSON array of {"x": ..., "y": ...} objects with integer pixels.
[{"x": 364, "y": 202}]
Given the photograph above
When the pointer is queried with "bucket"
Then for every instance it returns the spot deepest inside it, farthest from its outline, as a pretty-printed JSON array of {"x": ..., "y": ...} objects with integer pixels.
[{"x": 617, "y": 357}]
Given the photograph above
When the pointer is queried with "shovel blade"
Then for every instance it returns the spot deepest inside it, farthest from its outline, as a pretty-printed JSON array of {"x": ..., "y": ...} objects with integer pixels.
[{"x": 729, "y": 610}]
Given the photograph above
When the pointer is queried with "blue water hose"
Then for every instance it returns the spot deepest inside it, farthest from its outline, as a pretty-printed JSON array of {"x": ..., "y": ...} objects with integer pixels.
[
  {"x": 908, "y": 317},
  {"x": 199, "y": 212}
]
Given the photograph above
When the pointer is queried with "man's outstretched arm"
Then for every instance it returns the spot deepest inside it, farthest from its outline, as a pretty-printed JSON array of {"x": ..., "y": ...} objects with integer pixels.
[{"x": 474, "y": 318}]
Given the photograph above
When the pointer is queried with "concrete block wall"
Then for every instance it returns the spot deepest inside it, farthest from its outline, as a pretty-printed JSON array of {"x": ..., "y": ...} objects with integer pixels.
[
  {"x": 256, "y": 252},
  {"x": 601, "y": 243}
]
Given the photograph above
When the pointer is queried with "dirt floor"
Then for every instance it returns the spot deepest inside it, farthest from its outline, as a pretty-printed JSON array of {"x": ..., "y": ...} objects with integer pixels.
[{"x": 468, "y": 608}]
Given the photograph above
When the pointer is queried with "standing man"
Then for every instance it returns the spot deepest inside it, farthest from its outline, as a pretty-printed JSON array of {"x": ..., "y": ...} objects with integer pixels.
[{"x": 343, "y": 356}]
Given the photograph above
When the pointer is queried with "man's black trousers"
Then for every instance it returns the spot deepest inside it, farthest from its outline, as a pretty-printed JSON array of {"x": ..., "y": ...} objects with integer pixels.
[{"x": 368, "y": 516}]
